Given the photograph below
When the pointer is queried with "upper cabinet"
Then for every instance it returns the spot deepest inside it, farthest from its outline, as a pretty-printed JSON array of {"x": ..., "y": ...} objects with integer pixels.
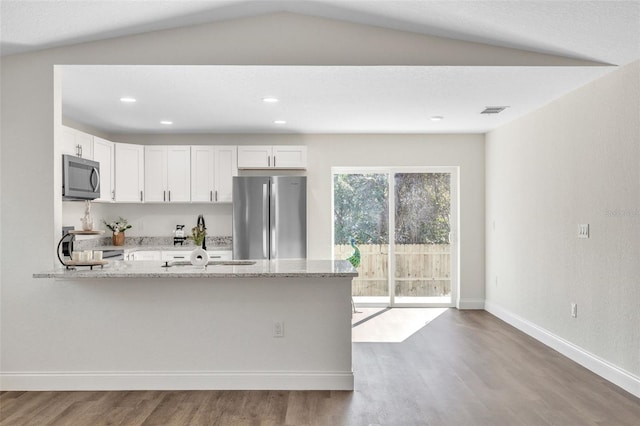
[
  {"x": 129, "y": 172},
  {"x": 272, "y": 157},
  {"x": 167, "y": 174},
  {"x": 289, "y": 157},
  {"x": 103, "y": 152},
  {"x": 212, "y": 171},
  {"x": 75, "y": 142}
]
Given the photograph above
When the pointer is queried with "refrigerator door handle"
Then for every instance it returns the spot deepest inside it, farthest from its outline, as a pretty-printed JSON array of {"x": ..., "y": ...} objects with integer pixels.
[
  {"x": 273, "y": 189},
  {"x": 265, "y": 220}
]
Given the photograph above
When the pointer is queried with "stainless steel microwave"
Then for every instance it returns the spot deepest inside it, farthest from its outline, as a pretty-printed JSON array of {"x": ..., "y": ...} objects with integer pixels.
[{"x": 80, "y": 178}]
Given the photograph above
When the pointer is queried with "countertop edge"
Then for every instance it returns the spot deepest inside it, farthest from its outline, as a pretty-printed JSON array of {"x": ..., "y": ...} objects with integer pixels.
[
  {"x": 83, "y": 275},
  {"x": 263, "y": 269}
]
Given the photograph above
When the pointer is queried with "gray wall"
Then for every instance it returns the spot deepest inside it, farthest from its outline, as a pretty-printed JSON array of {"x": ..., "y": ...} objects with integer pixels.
[{"x": 576, "y": 160}]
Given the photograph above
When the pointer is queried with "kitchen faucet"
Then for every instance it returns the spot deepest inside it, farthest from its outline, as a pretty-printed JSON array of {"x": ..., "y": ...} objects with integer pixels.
[{"x": 200, "y": 225}]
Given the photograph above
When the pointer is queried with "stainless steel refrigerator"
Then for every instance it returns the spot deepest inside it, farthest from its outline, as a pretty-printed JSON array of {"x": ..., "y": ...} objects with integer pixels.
[{"x": 269, "y": 217}]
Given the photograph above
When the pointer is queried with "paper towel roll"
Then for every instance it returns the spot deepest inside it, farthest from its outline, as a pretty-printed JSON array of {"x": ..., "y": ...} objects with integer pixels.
[{"x": 199, "y": 257}]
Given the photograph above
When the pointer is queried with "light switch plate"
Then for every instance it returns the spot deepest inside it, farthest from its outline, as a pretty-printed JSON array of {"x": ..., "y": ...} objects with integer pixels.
[{"x": 583, "y": 230}]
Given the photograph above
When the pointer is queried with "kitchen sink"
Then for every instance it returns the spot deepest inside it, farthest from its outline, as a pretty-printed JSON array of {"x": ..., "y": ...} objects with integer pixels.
[{"x": 211, "y": 262}]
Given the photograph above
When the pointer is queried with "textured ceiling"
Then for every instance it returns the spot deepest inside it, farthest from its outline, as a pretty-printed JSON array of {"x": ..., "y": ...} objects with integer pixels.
[
  {"x": 605, "y": 31},
  {"x": 228, "y": 99}
]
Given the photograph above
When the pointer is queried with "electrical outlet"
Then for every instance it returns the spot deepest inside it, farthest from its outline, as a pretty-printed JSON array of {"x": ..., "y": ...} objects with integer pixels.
[
  {"x": 278, "y": 329},
  {"x": 574, "y": 310},
  {"x": 583, "y": 230}
]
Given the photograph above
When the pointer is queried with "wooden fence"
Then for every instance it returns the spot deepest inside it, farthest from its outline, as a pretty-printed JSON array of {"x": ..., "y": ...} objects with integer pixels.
[{"x": 422, "y": 270}]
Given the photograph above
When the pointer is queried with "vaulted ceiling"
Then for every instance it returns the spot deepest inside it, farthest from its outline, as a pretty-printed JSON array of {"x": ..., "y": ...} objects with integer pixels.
[{"x": 575, "y": 42}]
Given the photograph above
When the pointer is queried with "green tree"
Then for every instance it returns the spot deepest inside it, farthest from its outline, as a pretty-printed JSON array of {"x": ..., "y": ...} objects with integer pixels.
[
  {"x": 361, "y": 208},
  {"x": 422, "y": 208}
]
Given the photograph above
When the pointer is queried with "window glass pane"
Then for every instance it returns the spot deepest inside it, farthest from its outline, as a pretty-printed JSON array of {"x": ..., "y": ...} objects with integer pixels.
[
  {"x": 361, "y": 212},
  {"x": 422, "y": 232}
]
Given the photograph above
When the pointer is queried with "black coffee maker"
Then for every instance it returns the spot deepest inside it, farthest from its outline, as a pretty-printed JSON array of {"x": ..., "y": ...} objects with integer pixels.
[{"x": 178, "y": 235}]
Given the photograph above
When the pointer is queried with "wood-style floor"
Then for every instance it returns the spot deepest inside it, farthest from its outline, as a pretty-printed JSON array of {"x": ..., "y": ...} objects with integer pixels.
[{"x": 463, "y": 368}]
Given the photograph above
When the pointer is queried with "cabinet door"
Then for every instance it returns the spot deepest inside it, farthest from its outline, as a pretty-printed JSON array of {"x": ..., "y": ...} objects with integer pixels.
[
  {"x": 220, "y": 254},
  {"x": 103, "y": 153},
  {"x": 155, "y": 174},
  {"x": 290, "y": 157},
  {"x": 178, "y": 173},
  {"x": 146, "y": 255},
  {"x": 254, "y": 157},
  {"x": 75, "y": 142},
  {"x": 226, "y": 167},
  {"x": 202, "y": 177},
  {"x": 129, "y": 172},
  {"x": 85, "y": 141},
  {"x": 173, "y": 255},
  {"x": 68, "y": 141}
]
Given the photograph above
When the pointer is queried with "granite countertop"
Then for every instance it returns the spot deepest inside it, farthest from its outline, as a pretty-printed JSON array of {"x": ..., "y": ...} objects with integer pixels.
[
  {"x": 134, "y": 247},
  {"x": 215, "y": 243},
  {"x": 304, "y": 268}
]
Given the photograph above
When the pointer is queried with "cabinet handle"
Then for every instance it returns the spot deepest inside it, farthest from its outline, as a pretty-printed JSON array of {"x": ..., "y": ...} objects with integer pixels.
[
  {"x": 80, "y": 150},
  {"x": 169, "y": 195},
  {"x": 113, "y": 195},
  {"x": 274, "y": 161},
  {"x": 210, "y": 195},
  {"x": 268, "y": 161},
  {"x": 164, "y": 195},
  {"x": 216, "y": 195},
  {"x": 140, "y": 196}
]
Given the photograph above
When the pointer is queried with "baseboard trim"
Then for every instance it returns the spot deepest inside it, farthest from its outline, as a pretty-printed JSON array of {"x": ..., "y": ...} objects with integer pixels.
[
  {"x": 477, "y": 304},
  {"x": 198, "y": 380},
  {"x": 602, "y": 368}
]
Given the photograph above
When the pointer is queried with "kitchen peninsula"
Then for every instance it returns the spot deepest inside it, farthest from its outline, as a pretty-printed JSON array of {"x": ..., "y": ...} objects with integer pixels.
[{"x": 280, "y": 324}]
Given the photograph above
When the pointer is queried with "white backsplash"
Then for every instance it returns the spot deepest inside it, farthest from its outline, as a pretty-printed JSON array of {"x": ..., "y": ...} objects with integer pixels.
[{"x": 153, "y": 220}]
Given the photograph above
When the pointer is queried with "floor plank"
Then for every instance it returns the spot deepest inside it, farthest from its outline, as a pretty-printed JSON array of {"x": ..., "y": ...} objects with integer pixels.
[{"x": 462, "y": 368}]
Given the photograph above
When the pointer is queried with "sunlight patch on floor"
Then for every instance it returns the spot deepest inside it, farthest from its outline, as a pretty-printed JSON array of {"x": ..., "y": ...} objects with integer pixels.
[{"x": 390, "y": 325}]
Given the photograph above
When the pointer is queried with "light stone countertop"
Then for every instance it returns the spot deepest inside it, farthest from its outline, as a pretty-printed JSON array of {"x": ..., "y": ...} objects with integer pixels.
[
  {"x": 304, "y": 268},
  {"x": 132, "y": 248}
]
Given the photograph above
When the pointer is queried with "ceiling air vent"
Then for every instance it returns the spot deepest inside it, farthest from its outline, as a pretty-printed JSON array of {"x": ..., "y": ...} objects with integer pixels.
[{"x": 494, "y": 109}]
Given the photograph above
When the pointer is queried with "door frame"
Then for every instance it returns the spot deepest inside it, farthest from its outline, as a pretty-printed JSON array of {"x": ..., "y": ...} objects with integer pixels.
[{"x": 454, "y": 171}]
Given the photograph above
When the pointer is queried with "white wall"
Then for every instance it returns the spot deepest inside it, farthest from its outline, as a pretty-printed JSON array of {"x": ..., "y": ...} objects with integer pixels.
[
  {"x": 576, "y": 160},
  {"x": 152, "y": 220}
]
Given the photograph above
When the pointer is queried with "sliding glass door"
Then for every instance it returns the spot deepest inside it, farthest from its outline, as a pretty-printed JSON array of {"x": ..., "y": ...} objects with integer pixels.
[
  {"x": 419, "y": 268},
  {"x": 361, "y": 225}
]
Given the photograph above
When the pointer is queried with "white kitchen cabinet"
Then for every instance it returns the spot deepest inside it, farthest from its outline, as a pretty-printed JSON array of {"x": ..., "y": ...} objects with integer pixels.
[
  {"x": 167, "y": 173},
  {"x": 103, "y": 152},
  {"x": 129, "y": 172},
  {"x": 272, "y": 157},
  {"x": 220, "y": 254},
  {"x": 212, "y": 171},
  {"x": 175, "y": 255},
  {"x": 254, "y": 157},
  {"x": 185, "y": 255},
  {"x": 75, "y": 142},
  {"x": 289, "y": 157},
  {"x": 145, "y": 255}
]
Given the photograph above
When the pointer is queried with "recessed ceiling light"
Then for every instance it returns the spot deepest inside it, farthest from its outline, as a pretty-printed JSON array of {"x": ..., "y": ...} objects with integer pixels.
[
  {"x": 280, "y": 122},
  {"x": 270, "y": 100},
  {"x": 127, "y": 99},
  {"x": 166, "y": 122},
  {"x": 437, "y": 118}
]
